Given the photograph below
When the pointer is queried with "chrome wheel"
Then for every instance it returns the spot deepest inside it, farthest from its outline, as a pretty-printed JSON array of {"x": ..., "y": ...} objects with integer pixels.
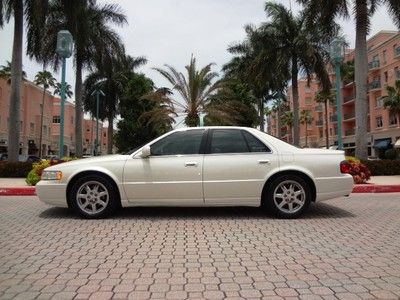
[
  {"x": 92, "y": 197},
  {"x": 289, "y": 196}
]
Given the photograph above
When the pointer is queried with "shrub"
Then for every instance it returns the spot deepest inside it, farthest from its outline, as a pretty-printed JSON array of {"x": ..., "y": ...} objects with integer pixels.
[
  {"x": 383, "y": 167},
  {"x": 32, "y": 178},
  {"x": 359, "y": 171},
  {"x": 14, "y": 169},
  {"x": 391, "y": 154}
]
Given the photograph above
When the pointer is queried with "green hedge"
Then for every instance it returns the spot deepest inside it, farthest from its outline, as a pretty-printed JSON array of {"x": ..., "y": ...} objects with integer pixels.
[
  {"x": 383, "y": 167},
  {"x": 14, "y": 169}
]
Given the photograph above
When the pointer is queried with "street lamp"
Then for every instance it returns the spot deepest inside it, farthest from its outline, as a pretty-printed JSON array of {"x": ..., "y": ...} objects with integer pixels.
[
  {"x": 337, "y": 54},
  {"x": 97, "y": 92},
  {"x": 64, "y": 50}
]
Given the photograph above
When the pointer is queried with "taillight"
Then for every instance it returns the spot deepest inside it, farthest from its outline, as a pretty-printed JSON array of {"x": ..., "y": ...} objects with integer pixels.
[{"x": 345, "y": 167}]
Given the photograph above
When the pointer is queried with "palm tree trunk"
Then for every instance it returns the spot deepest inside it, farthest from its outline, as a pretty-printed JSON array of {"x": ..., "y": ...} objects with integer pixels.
[
  {"x": 361, "y": 76},
  {"x": 326, "y": 125},
  {"x": 262, "y": 125},
  {"x": 295, "y": 92},
  {"x": 78, "y": 108},
  {"x": 278, "y": 122},
  {"x": 16, "y": 78},
  {"x": 110, "y": 133},
  {"x": 41, "y": 124}
]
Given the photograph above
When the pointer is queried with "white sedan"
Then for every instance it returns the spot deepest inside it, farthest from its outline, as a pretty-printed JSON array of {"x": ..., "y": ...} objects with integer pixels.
[{"x": 202, "y": 166}]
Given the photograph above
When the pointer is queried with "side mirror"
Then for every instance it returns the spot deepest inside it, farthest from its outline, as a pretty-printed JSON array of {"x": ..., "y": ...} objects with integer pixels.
[{"x": 146, "y": 152}]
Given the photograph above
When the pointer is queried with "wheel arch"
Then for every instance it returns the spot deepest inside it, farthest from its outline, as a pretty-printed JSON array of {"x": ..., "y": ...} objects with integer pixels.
[
  {"x": 299, "y": 173},
  {"x": 78, "y": 175}
]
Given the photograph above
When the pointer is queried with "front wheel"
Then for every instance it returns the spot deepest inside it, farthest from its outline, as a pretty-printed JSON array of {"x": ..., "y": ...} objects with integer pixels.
[
  {"x": 93, "y": 197},
  {"x": 288, "y": 196}
]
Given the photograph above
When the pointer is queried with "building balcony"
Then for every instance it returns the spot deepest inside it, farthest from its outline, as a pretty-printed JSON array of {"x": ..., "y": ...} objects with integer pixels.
[
  {"x": 397, "y": 52},
  {"x": 349, "y": 115},
  {"x": 333, "y": 118},
  {"x": 349, "y": 132},
  {"x": 374, "y": 65},
  {"x": 319, "y": 123},
  {"x": 347, "y": 99},
  {"x": 374, "y": 85}
]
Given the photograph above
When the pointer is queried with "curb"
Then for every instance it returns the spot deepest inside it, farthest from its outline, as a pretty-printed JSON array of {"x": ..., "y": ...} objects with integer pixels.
[
  {"x": 18, "y": 191},
  {"x": 375, "y": 188}
]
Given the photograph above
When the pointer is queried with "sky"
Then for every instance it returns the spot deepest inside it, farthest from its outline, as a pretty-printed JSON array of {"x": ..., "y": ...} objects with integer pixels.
[{"x": 170, "y": 31}]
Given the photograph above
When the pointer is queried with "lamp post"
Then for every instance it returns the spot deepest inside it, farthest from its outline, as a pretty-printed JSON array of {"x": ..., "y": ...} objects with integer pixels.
[
  {"x": 97, "y": 92},
  {"x": 64, "y": 50},
  {"x": 337, "y": 54}
]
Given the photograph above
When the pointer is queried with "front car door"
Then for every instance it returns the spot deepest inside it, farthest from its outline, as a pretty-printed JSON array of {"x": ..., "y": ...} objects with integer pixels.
[
  {"x": 236, "y": 164},
  {"x": 171, "y": 175}
]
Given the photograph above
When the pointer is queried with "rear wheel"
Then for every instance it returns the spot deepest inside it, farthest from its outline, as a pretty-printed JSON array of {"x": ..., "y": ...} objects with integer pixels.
[
  {"x": 93, "y": 196},
  {"x": 288, "y": 196}
]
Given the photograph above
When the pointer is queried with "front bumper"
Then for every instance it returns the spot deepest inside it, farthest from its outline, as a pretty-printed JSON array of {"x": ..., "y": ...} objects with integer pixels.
[
  {"x": 52, "y": 192},
  {"x": 333, "y": 187}
]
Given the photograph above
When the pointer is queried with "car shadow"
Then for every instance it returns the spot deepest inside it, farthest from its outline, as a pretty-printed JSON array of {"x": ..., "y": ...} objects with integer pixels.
[{"x": 316, "y": 211}]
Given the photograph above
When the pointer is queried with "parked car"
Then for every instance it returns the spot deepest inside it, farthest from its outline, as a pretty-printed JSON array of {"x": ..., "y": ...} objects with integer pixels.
[
  {"x": 204, "y": 166},
  {"x": 21, "y": 158}
]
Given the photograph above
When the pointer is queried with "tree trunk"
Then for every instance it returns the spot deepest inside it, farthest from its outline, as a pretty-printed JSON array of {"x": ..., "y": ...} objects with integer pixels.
[
  {"x": 78, "y": 109},
  {"x": 361, "y": 79},
  {"x": 261, "y": 108},
  {"x": 278, "y": 121},
  {"x": 326, "y": 125},
  {"x": 41, "y": 124},
  {"x": 110, "y": 133},
  {"x": 16, "y": 78},
  {"x": 295, "y": 93}
]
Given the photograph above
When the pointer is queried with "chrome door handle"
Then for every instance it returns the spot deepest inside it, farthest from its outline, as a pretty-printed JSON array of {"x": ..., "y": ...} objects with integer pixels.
[
  {"x": 190, "y": 164},
  {"x": 263, "y": 161}
]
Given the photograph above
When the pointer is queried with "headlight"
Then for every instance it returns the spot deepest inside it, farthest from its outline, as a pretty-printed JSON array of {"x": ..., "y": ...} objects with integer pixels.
[{"x": 51, "y": 175}]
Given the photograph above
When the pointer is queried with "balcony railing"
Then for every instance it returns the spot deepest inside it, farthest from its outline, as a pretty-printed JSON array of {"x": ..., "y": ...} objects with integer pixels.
[
  {"x": 375, "y": 85},
  {"x": 349, "y": 115},
  {"x": 375, "y": 64},
  {"x": 348, "y": 98},
  {"x": 397, "y": 51},
  {"x": 333, "y": 118},
  {"x": 349, "y": 132},
  {"x": 319, "y": 123}
]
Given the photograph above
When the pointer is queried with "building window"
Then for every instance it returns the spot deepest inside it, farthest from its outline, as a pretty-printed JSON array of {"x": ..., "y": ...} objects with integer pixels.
[
  {"x": 56, "y": 119},
  {"x": 386, "y": 76},
  {"x": 32, "y": 128},
  {"x": 379, "y": 122},
  {"x": 321, "y": 133},
  {"x": 384, "y": 57},
  {"x": 104, "y": 134},
  {"x": 392, "y": 119},
  {"x": 378, "y": 102},
  {"x": 308, "y": 101},
  {"x": 45, "y": 129},
  {"x": 87, "y": 129}
]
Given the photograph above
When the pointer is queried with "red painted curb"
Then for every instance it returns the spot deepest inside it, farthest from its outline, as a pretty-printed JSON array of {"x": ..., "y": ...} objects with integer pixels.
[
  {"x": 18, "y": 191},
  {"x": 376, "y": 188}
]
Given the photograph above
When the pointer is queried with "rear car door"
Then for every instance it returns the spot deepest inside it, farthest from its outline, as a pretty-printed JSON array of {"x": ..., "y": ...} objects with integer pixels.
[{"x": 236, "y": 164}]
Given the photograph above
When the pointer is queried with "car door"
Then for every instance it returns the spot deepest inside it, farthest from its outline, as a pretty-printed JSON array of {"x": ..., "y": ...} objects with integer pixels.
[
  {"x": 171, "y": 175},
  {"x": 236, "y": 164}
]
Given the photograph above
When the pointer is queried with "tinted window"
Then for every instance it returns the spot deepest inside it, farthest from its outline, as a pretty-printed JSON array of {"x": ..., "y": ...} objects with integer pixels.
[
  {"x": 255, "y": 145},
  {"x": 228, "y": 141},
  {"x": 182, "y": 142}
]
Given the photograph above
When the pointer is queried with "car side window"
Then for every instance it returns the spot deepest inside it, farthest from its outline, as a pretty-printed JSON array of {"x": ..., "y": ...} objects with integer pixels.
[
  {"x": 178, "y": 143},
  {"x": 228, "y": 141},
  {"x": 255, "y": 145}
]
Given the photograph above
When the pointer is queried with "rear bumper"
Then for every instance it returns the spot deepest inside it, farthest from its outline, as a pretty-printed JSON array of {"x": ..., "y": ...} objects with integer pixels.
[
  {"x": 333, "y": 187},
  {"x": 52, "y": 192}
]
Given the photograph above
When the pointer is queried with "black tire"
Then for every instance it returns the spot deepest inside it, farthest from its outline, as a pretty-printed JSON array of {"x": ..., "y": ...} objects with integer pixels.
[
  {"x": 284, "y": 211},
  {"x": 104, "y": 205}
]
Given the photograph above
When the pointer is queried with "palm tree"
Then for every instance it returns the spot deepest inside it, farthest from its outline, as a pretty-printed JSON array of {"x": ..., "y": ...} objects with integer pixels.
[
  {"x": 67, "y": 90},
  {"x": 5, "y": 72},
  {"x": 195, "y": 89},
  {"x": 32, "y": 12},
  {"x": 46, "y": 79},
  {"x": 110, "y": 76},
  {"x": 362, "y": 11},
  {"x": 90, "y": 25},
  {"x": 297, "y": 47},
  {"x": 327, "y": 98},
  {"x": 287, "y": 120},
  {"x": 277, "y": 107},
  {"x": 347, "y": 72},
  {"x": 306, "y": 118},
  {"x": 392, "y": 100}
]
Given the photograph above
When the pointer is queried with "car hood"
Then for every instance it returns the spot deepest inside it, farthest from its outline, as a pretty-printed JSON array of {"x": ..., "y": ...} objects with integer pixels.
[{"x": 91, "y": 161}]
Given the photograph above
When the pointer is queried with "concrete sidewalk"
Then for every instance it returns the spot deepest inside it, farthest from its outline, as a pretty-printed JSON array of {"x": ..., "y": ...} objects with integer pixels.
[{"x": 377, "y": 184}]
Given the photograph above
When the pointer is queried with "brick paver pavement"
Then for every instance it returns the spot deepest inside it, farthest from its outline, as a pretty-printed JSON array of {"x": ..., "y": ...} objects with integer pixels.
[{"x": 345, "y": 248}]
